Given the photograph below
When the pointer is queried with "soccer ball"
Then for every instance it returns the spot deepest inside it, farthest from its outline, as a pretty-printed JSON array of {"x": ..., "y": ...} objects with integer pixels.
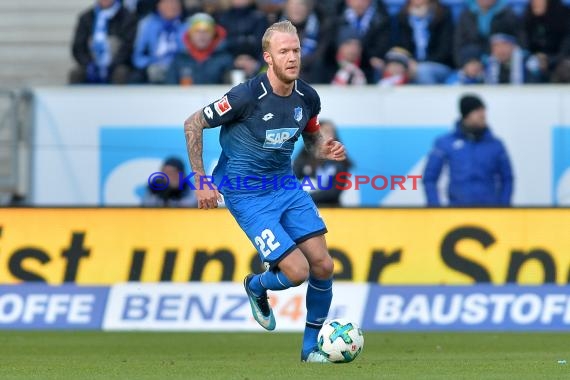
[{"x": 341, "y": 340}]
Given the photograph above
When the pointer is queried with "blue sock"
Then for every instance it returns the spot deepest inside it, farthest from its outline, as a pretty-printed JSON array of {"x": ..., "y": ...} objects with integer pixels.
[
  {"x": 319, "y": 297},
  {"x": 269, "y": 280}
]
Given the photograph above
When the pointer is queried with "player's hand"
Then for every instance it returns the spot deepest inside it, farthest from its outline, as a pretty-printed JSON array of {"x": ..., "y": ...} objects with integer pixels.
[
  {"x": 208, "y": 196},
  {"x": 333, "y": 150}
]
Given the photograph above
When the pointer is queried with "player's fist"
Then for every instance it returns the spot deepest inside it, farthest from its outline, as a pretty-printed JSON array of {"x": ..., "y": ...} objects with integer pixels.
[
  {"x": 207, "y": 194},
  {"x": 207, "y": 198},
  {"x": 333, "y": 150}
]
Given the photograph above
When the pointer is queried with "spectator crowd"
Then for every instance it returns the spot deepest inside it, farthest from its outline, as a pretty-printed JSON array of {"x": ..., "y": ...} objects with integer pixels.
[{"x": 343, "y": 42}]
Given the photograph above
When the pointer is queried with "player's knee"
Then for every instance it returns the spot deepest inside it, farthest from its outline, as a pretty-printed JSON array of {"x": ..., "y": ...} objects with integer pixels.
[
  {"x": 328, "y": 267},
  {"x": 323, "y": 268},
  {"x": 296, "y": 267},
  {"x": 299, "y": 274}
]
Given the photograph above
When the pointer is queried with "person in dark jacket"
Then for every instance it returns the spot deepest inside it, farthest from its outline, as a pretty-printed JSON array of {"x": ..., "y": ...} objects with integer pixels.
[
  {"x": 480, "y": 171},
  {"x": 425, "y": 29},
  {"x": 103, "y": 44},
  {"x": 172, "y": 195},
  {"x": 245, "y": 25},
  {"x": 205, "y": 59},
  {"x": 547, "y": 35},
  {"x": 315, "y": 33},
  {"x": 322, "y": 173},
  {"x": 480, "y": 20},
  {"x": 349, "y": 59},
  {"x": 369, "y": 19}
]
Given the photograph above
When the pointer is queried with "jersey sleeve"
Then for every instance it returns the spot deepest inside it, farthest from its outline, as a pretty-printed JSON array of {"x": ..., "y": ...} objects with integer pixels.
[
  {"x": 313, "y": 123},
  {"x": 232, "y": 106}
]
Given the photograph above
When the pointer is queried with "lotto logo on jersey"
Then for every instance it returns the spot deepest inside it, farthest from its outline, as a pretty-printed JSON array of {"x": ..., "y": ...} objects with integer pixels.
[
  {"x": 222, "y": 106},
  {"x": 274, "y": 138}
]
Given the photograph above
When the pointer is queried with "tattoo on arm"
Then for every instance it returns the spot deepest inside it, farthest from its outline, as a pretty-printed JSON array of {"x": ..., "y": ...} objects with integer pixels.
[
  {"x": 313, "y": 142},
  {"x": 193, "y": 130}
]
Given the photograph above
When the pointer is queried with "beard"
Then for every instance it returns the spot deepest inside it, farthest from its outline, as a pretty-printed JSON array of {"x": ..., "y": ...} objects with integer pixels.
[
  {"x": 283, "y": 76},
  {"x": 474, "y": 132}
]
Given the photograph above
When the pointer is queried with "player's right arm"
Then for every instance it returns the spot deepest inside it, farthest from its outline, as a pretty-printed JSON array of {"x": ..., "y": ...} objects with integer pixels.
[
  {"x": 231, "y": 107},
  {"x": 206, "y": 194}
]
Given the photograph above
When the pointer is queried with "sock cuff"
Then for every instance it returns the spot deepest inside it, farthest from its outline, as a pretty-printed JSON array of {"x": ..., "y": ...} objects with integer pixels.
[
  {"x": 283, "y": 280},
  {"x": 322, "y": 285},
  {"x": 261, "y": 282},
  {"x": 256, "y": 286},
  {"x": 312, "y": 325}
]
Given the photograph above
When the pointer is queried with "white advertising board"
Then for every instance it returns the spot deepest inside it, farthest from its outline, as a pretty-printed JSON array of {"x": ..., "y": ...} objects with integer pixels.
[
  {"x": 216, "y": 307},
  {"x": 97, "y": 146}
]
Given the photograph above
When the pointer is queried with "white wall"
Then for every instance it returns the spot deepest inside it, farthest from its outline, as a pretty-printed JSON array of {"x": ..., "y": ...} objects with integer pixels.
[{"x": 72, "y": 166}]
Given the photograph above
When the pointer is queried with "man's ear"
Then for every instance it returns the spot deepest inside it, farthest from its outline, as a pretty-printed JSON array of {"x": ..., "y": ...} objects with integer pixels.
[{"x": 267, "y": 58}]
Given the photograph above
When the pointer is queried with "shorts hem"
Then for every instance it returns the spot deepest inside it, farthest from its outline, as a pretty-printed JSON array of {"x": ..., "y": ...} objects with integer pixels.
[
  {"x": 310, "y": 235},
  {"x": 274, "y": 263}
]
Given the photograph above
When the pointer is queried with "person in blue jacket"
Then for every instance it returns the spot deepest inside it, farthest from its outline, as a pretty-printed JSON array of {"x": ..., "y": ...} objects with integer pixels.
[
  {"x": 157, "y": 42},
  {"x": 480, "y": 172}
]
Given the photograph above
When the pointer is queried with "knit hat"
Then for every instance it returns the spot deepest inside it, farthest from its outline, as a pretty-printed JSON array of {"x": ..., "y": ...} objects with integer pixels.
[
  {"x": 503, "y": 37},
  {"x": 469, "y": 53},
  {"x": 399, "y": 55},
  {"x": 346, "y": 34},
  {"x": 469, "y": 103},
  {"x": 175, "y": 162},
  {"x": 201, "y": 21}
]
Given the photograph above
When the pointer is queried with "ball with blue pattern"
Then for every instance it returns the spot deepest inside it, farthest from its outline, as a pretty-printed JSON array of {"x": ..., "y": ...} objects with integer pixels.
[{"x": 341, "y": 340}]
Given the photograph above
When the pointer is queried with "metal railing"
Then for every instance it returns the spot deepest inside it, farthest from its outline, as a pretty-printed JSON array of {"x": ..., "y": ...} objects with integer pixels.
[{"x": 13, "y": 145}]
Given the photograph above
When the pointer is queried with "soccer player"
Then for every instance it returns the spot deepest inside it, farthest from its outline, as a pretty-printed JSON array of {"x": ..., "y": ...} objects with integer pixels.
[{"x": 261, "y": 120}]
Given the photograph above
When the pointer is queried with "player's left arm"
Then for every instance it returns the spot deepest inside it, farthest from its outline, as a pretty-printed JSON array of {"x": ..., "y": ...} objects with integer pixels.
[{"x": 322, "y": 147}]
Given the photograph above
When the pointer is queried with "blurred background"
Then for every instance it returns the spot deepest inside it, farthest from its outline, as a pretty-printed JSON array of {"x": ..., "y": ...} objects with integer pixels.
[{"x": 88, "y": 113}]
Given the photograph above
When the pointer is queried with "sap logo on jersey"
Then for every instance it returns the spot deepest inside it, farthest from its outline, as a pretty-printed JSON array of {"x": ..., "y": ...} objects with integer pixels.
[{"x": 274, "y": 138}]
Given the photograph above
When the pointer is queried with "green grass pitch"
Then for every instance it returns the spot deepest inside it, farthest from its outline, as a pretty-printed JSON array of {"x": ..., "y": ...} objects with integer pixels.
[{"x": 136, "y": 355}]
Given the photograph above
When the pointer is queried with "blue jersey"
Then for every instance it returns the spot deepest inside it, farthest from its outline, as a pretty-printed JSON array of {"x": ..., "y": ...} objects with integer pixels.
[{"x": 259, "y": 130}]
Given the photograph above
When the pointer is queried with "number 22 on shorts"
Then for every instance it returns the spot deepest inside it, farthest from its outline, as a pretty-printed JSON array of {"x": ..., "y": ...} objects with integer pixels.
[{"x": 266, "y": 242}]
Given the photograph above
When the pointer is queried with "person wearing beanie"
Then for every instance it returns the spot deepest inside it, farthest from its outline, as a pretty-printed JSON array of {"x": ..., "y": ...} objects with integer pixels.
[
  {"x": 471, "y": 69},
  {"x": 507, "y": 63},
  {"x": 469, "y": 103},
  {"x": 349, "y": 59},
  {"x": 205, "y": 58},
  {"x": 172, "y": 195},
  {"x": 480, "y": 173},
  {"x": 479, "y": 20},
  {"x": 398, "y": 67}
]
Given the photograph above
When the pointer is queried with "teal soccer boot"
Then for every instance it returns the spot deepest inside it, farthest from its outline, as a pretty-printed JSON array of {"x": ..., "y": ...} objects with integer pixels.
[{"x": 259, "y": 306}]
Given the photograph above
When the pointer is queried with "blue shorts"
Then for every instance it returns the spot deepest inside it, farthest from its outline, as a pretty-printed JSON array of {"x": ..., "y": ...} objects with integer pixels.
[{"x": 276, "y": 222}]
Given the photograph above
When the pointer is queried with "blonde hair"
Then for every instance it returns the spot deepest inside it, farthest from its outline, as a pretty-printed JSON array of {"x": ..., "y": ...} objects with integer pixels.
[{"x": 284, "y": 26}]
